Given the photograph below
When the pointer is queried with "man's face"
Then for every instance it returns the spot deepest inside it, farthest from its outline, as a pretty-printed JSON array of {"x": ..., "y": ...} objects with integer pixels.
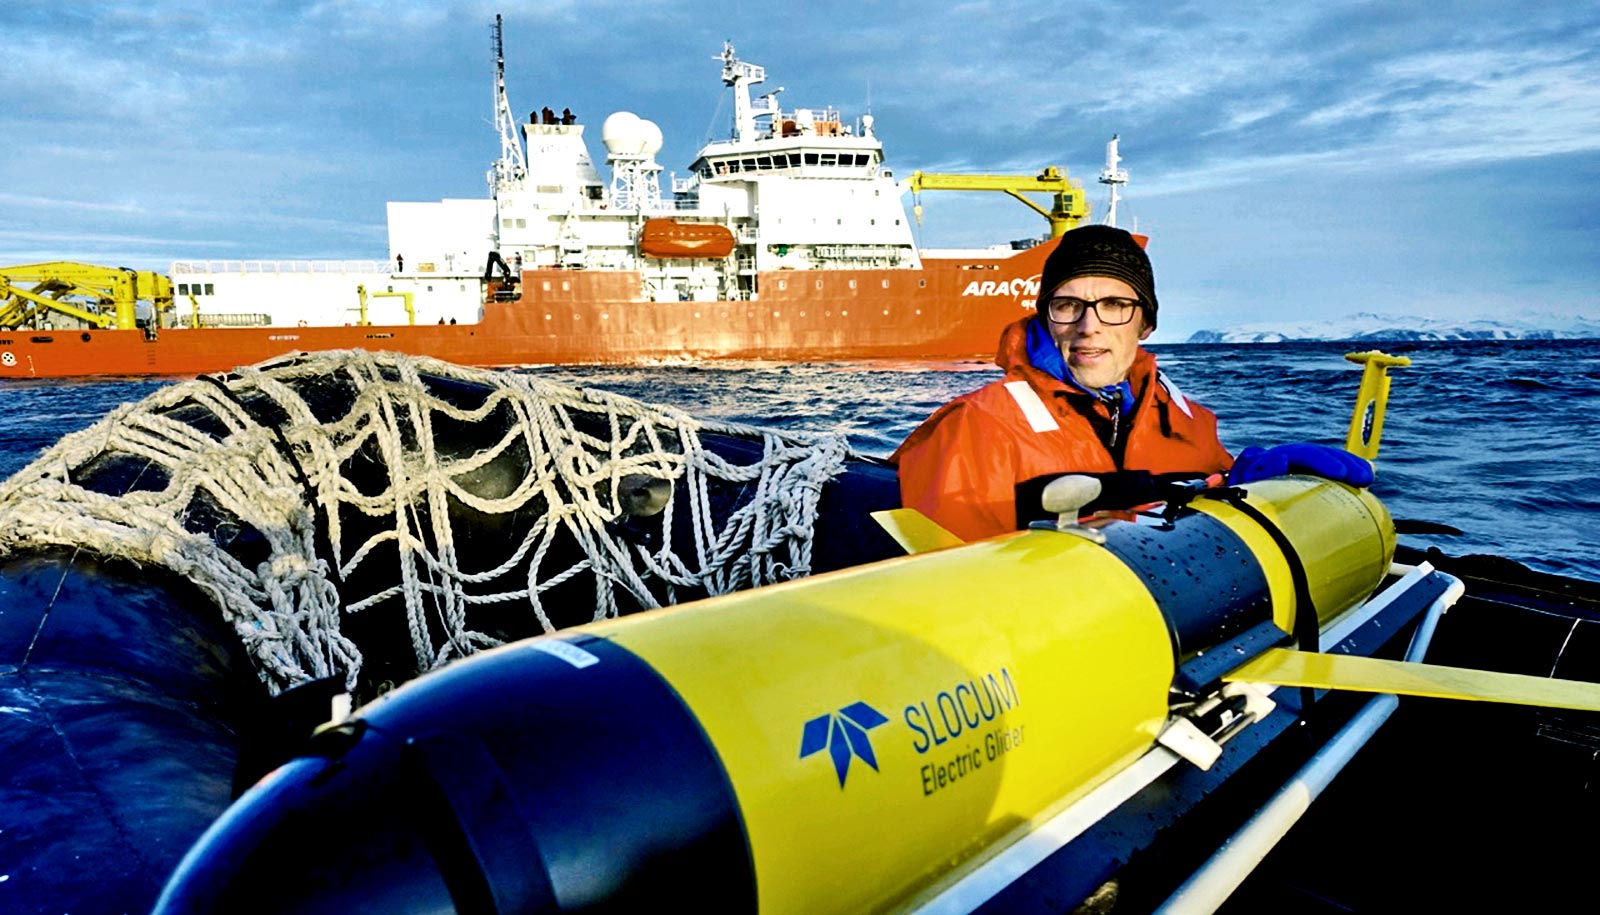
[{"x": 1098, "y": 355}]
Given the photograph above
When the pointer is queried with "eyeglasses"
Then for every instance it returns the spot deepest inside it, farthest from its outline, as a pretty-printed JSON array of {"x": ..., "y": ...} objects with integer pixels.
[{"x": 1110, "y": 310}]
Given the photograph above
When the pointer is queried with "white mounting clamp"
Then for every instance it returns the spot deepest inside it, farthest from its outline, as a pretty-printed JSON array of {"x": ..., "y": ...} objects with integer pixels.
[{"x": 1066, "y": 496}]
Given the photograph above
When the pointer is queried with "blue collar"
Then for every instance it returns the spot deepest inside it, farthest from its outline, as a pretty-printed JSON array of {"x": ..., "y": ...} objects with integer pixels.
[{"x": 1045, "y": 355}]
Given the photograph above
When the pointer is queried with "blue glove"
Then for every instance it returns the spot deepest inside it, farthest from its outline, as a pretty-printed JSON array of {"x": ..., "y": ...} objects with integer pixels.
[{"x": 1301, "y": 457}]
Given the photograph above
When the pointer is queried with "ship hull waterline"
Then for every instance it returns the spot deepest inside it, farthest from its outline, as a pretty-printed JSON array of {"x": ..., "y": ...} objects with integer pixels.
[{"x": 949, "y": 310}]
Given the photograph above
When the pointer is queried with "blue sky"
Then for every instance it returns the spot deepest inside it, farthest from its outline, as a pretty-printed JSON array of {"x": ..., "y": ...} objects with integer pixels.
[{"x": 1290, "y": 160}]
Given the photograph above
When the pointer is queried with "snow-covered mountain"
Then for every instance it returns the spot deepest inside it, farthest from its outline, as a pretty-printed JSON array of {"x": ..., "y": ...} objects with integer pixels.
[{"x": 1366, "y": 326}]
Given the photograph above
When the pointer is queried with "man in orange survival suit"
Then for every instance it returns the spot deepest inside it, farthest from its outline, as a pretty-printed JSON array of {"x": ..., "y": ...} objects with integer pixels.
[{"x": 1080, "y": 395}]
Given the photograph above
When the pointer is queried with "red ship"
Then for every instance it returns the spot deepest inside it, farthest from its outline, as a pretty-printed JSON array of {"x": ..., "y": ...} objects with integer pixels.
[{"x": 788, "y": 241}]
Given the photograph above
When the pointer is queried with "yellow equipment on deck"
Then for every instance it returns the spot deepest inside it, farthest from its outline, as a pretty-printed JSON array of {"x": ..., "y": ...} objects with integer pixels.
[
  {"x": 406, "y": 297},
  {"x": 102, "y": 297},
  {"x": 1069, "y": 206}
]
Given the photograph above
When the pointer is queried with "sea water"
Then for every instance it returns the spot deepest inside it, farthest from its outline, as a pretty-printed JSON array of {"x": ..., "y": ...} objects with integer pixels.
[{"x": 1497, "y": 439}]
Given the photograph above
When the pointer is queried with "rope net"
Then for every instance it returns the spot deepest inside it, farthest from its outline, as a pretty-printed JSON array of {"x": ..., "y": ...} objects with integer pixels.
[{"x": 374, "y": 516}]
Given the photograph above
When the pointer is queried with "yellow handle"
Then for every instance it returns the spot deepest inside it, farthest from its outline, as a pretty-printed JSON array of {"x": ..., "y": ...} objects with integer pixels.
[{"x": 1366, "y": 423}]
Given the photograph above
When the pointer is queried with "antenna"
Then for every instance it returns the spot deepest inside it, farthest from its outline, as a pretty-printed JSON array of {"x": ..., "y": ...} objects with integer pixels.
[
  {"x": 741, "y": 76},
  {"x": 1114, "y": 177},
  {"x": 511, "y": 165}
]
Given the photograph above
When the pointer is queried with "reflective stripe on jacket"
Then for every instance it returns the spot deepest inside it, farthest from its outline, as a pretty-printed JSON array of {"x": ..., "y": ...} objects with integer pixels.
[{"x": 962, "y": 465}]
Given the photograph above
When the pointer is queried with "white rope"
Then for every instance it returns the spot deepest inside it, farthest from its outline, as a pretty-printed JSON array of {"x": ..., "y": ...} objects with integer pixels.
[{"x": 391, "y": 458}]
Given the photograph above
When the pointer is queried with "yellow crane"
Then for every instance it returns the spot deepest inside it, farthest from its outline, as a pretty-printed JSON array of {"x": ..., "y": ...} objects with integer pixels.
[
  {"x": 1069, "y": 206},
  {"x": 103, "y": 297}
]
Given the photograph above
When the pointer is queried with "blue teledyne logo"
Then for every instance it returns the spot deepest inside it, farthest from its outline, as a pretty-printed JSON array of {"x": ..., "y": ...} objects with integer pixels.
[{"x": 844, "y": 733}]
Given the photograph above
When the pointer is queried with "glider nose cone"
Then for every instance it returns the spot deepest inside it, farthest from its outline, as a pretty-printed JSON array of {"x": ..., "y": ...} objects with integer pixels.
[
  {"x": 339, "y": 833},
  {"x": 525, "y": 779}
]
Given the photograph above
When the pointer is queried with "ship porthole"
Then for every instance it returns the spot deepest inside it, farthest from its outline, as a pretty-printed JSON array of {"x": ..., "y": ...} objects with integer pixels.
[
  {"x": 548, "y": 318},
  {"x": 886, "y": 312},
  {"x": 802, "y": 314},
  {"x": 844, "y": 314},
  {"x": 697, "y": 314},
  {"x": 86, "y": 338}
]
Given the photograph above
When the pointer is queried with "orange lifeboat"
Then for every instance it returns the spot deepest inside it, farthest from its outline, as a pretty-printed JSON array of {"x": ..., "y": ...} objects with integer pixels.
[{"x": 670, "y": 238}]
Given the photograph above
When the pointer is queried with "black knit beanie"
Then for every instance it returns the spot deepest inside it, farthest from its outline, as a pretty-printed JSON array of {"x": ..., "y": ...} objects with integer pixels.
[{"x": 1098, "y": 250}]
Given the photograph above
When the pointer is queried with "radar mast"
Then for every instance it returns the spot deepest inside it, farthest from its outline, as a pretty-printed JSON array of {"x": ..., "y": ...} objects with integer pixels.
[
  {"x": 511, "y": 166},
  {"x": 741, "y": 76},
  {"x": 1113, "y": 176}
]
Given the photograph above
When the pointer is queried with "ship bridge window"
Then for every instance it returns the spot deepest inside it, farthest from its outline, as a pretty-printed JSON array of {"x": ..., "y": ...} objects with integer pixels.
[
  {"x": 811, "y": 158},
  {"x": 764, "y": 162},
  {"x": 208, "y": 289},
  {"x": 748, "y": 165}
]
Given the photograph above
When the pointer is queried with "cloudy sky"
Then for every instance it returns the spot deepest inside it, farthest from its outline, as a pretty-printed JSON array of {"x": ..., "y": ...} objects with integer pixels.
[{"x": 1290, "y": 159}]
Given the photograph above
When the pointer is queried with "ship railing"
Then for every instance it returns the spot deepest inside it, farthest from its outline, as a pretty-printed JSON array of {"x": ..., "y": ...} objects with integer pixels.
[
  {"x": 191, "y": 268},
  {"x": 680, "y": 205},
  {"x": 214, "y": 319},
  {"x": 858, "y": 252}
]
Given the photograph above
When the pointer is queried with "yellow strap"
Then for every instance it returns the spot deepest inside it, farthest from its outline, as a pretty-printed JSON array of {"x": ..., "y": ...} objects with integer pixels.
[
  {"x": 914, "y": 531},
  {"x": 1285, "y": 667}
]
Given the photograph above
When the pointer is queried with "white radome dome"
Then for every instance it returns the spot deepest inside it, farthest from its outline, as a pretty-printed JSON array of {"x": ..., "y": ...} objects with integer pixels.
[
  {"x": 627, "y": 134},
  {"x": 652, "y": 140}
]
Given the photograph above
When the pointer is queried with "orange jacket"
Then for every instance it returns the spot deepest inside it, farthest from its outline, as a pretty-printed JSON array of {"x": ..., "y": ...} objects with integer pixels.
[{"x": 962, "y": 465}]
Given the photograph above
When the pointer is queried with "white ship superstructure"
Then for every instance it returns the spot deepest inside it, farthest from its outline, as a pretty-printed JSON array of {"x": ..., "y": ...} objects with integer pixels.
[{"x": 798, "y": 189}]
